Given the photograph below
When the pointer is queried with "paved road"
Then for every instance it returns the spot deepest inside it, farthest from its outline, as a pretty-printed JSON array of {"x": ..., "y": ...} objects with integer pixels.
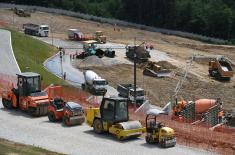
[
  {"x": 18, "y": 126},
  {"x": 73, "y": 75},
  {"x": 8, "y": 64}
]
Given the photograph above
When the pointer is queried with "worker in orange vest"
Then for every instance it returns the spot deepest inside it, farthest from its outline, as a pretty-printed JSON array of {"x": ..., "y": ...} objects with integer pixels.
[{"x": 220, "y": 116}]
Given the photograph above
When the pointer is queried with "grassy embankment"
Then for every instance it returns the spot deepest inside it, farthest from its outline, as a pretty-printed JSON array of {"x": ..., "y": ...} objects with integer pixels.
[
  {"x": 30, "y": 54},
  {"x": 12, "y": 148}
]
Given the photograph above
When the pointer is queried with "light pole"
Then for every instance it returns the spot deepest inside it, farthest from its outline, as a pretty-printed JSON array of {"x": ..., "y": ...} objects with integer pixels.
[
  {"x": 135, "y": 47},
  {"x": 51, "y": 25},
  {"x": 13, "y": 12}
]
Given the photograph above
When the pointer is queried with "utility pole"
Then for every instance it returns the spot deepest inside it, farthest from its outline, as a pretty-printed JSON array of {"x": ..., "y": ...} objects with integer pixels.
[
  {"x": 61, "y": 66},
  {"x": 135, "y": 56},
  {"x": 51, "y": 25},
  {"x": 135, "y": 73},
  {"x": 13, "y": 10}
]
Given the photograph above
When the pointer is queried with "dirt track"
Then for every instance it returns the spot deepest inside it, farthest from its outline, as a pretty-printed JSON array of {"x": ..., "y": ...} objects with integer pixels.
[
  {"x": 177, "y": 48},
  {"x": 160, "y": 90}
]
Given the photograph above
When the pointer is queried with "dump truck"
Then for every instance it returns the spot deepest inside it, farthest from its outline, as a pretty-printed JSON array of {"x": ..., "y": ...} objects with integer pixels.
[
  {"x": 100, "y": 37},
  {"x": 155, "y": 70},
  {"x": 70, "y": 112},
  {"x": 142, "y": 55},
  {"x": 94, "y": 83},
  {"x": 158, "y": 133},
  {"x": 127, "y": 91},
  {"x": 28, "y": 95},
  {"x": 76, "y": 34},
  {"x": 22, "y": 12},
  {"x": 36, "y": 30},
  {"x": 112, "y": 117},
  {"x": 220, "y": 69}
]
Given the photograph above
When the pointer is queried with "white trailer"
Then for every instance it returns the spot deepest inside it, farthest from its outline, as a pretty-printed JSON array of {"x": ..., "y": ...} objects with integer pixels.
[
  {"x": 94, "y": 83},
  {"x": 36, "y": 30}
]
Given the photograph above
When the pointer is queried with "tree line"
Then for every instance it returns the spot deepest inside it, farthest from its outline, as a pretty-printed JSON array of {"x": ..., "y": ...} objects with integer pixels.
[{"x": 214, "y": 18}]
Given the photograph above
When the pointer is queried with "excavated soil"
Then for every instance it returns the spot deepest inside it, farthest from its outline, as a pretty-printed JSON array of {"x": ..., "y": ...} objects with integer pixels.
[{"x": 160, "y": 90}]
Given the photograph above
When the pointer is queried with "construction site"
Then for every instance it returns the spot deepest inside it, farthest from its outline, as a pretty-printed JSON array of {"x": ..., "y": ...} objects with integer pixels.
[{"x": 185, "y": 84}]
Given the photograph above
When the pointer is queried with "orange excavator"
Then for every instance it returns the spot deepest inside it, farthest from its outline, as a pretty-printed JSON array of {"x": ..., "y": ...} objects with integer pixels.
[{"x": 28, "y": 95}]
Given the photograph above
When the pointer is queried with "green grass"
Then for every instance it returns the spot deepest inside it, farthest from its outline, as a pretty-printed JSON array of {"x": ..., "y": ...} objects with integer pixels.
[
  {"x": 8, "y": 147},
  {"x": 30, "y": 54}
]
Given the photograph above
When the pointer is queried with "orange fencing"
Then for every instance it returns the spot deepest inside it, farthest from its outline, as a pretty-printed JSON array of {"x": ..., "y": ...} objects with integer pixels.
[
  {"x": 221, "y": 141},
  {"x": 7, "y": 82}
]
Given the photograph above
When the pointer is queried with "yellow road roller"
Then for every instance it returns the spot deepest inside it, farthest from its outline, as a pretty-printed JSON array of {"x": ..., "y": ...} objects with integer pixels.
[
  {"x": 158, "y": 133},
  {"x": 113, "y": 117}
]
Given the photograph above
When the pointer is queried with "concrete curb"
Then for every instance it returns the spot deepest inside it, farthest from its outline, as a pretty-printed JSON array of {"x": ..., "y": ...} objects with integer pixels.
[{"x": 13, "y": 53}]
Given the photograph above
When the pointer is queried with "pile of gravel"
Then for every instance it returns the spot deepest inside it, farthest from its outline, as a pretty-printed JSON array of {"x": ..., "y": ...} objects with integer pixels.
[{"x": 94, "y": 61}]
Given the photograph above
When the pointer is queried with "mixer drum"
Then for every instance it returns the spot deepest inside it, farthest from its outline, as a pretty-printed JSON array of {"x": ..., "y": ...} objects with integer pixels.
[{"x": 202, "y": 105}]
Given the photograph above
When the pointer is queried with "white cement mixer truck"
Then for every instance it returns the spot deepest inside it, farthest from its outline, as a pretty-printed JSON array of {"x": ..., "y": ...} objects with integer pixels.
[{"x": 94, "y": 83}]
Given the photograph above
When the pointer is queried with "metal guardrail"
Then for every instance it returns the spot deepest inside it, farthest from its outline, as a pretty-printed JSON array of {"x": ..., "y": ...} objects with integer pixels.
[{"x": 115, "y": 22}]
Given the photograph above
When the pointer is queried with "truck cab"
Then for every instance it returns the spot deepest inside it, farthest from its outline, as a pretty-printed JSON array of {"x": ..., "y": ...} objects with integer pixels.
[
  {"x": 94, "y": 83},
  {"x": 43, "y": 30},
  {"x": 127, "y": 91},
  {"x": 99, "y": 85},
  {"x": 139, "y": 95}
]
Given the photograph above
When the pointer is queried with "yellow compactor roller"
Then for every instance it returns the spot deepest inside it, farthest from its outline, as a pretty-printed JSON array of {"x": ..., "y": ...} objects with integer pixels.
[{"x": 113, "y": 117}]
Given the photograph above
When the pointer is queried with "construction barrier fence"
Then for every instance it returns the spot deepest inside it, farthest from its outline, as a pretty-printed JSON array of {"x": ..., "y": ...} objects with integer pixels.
[{"x": 221, "y": 141}]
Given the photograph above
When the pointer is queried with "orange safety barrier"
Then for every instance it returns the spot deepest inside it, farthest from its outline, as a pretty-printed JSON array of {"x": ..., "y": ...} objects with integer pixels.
[
  {"x": 7, "y": 82},
  {"x": 222, "y": 140}
]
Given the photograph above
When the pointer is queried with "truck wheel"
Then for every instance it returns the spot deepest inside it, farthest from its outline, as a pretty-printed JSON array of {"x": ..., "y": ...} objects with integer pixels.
[
  {"x": 98, "y": 126},
  {"x": 66, "y": 121},
  {"x": 149, "y": 140},
  {"x": 210, "y": 73},
  {"x": 7, "y": 103},
  {"x": 218, "y": 76},
  {"x": 83, "y": 86},
  {"x": 4, "y": 102},
  {"x": 163, "y": 144},
  {"x": 51, "y": 116}
]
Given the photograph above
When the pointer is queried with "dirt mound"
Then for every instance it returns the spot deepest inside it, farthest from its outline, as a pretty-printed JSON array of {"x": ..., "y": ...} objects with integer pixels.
[
  {"x": 94, "y": 61},
  {"x": 166, "y": 65},
  {"x": 163, "y": 64}
]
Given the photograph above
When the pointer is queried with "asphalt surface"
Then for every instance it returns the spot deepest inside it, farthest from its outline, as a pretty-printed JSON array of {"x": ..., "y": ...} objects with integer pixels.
[
  {"x": 20, "y": 127},
  {"x": 8, "y": 64},
  {"x": 58, "y": 66}
]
